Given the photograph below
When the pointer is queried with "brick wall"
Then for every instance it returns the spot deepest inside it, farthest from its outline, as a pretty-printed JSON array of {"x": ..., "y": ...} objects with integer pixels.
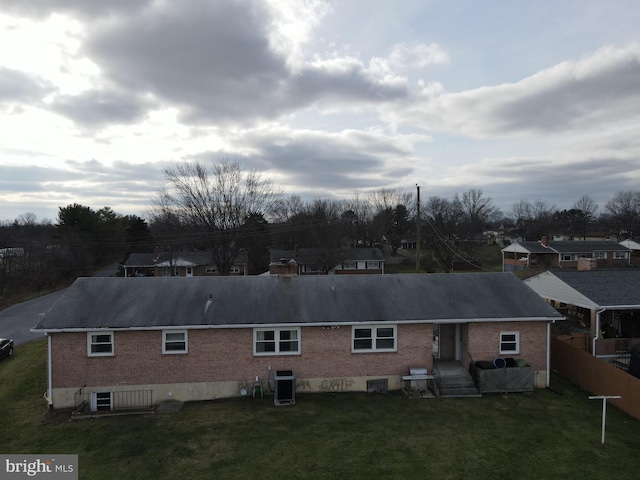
[
  {"x": 217, "y": 355},
  {"x": 483, "y": 341}
]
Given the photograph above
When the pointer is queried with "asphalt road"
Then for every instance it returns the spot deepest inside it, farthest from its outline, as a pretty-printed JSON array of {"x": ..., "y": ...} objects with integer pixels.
[{"x": 17, "y": 320}]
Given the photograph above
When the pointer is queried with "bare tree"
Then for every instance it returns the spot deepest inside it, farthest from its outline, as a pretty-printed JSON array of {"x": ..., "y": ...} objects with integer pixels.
[
  {"x": 212, "y": 202},
  {"x": 357, "y": 218},
  {"x": 533, "y": 220},
  {"x": 587, "y": 209},
  {"x": 386, "y": 198},
  {"x": 622, "y": 214},
  {"x": 443, "y": 219}
]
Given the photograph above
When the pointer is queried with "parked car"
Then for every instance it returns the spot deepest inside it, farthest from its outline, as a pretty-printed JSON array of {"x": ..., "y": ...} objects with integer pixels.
[{"x": 6, "y": 347}]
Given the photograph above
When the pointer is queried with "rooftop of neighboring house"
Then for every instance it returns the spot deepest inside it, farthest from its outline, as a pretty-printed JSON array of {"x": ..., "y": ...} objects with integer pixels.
[
  {"x": 178, "y": 259},
  {"x": 602, "y": 287},
  {"x": 210, "y": 302},
  {"x": 307, "y": 256},
  {"x": 545, "y": 246}
]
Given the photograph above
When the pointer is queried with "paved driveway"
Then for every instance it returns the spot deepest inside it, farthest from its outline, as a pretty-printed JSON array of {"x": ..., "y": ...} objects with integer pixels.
[{"x": 17, "y": 320}]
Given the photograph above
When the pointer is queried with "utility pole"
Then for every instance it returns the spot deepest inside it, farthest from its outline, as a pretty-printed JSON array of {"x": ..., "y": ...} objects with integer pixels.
[{"x": 418, "y": 232}]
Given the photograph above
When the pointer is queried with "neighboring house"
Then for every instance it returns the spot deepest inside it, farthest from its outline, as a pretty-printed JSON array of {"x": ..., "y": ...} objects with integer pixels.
[
  {"x": 604, "y": 303},
  {"x": 564, "y": 254},
  {"x": 635, "y": 250},
  {"x": 313, "y": 261},
  {"x": 203, "y": 338},
  {"x": 178, "y": 264}
]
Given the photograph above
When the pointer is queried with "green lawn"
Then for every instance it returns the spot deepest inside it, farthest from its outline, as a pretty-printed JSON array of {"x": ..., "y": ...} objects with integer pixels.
[{"x": 516, "y": 436}]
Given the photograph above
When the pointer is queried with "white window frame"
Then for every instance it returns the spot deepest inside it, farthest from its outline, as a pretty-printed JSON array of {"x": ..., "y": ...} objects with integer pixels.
[
  {"x": 374, "y": 337},
  {"x": 568, "y": 257},
  {"x": 600, "y": 255},
  {"x": 277, "y": 340},
  {"x": 211, "y": 269},
  {"x": 91, "y": 343},
  {"x": 350, "y": 265},
  {"x": 94, "y": 401},
  {"x": 373, "y": 265},
  {"x": 504, "y": 341},
  {"x": 185, "y": 340},
  {"x": 234, "y": 269},
  {"x": 620, "y": 255}
]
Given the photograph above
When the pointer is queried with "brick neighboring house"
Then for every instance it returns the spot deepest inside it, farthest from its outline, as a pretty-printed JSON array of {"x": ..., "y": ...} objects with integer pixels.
[
  {"x": 564, "y": 254},
  {"x": 178, "y": 264},
  {"x": 318, "y": 261},
  {"x": 202, "y": 338}
]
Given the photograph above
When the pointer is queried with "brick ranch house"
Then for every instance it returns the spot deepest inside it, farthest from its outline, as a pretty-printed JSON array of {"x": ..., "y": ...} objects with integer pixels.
[
  {"x": 568, "y": 254},
  {"x": 202, "y": 338}
]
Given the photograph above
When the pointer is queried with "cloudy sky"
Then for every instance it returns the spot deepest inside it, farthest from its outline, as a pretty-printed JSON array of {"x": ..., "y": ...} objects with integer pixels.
[{"x": 525, "y": 100}]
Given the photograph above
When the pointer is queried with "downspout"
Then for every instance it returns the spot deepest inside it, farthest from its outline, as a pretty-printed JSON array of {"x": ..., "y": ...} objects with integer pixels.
[
  {"x": 597, "y": 333},
  {"x": 549, "y": 352},
  {"x": 49, "y": 395}
]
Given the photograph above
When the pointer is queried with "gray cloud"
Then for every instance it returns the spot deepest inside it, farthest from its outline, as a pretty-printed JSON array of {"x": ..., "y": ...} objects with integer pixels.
[
  {"x": 124, "y": 186},
  {"x": 337, "y": 163},
  {"x": 603, "y": 87},
  {"x": 17, "y": 86},
  {"x": 95, "y": 108},
  {"x": 89, "y": 8},
  {"x": 214, "y": 61}
]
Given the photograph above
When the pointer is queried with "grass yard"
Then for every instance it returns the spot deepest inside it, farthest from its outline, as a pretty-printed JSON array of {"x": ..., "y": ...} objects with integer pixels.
[{"x": 342, "y": 435}]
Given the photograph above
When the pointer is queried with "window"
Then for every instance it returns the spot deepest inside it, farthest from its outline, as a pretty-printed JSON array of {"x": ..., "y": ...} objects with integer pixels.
[
  {"x": 568, "y": 257},
  {"x": 100, "y": 344},
  {"x": 600, "y": 255},
  {"x": 620, "y": 255},
  {"x": 235, "y": 269},
  {"x": 276, "y": 341},
  {"x": 510, "y": 342},
  {"x": 174, "y": 341},
  {"x": 211, "y": 269},
  {"x": 373, "y": 265},
  {"x": 101, "y": 401},
  {"x": 349, "y": 265},
  {"x": 374, "y": 339}
]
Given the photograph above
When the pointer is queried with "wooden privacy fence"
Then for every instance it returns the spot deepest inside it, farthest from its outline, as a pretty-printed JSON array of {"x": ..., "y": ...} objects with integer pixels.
[{"x": 596, "y": 376}]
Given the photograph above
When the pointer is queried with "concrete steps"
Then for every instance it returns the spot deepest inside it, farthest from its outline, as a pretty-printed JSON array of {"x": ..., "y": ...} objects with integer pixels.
[{"x": 453, "y": 380}]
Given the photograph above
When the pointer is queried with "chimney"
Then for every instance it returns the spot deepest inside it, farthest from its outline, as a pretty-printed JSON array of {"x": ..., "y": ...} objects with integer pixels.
[
  {"x": 284, "y": 268},
  {"x": 585, "y": 264},
  {"x": 544, "y": 241}
]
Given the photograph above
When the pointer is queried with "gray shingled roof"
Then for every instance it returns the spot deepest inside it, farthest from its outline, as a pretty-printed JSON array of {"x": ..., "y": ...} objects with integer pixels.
[
  {"x": 140, "y": 260},
  {"x": 605, "y": 287},
  {"x": 308, "y": 256},
  {"x": 168, "y": 301},
  {"x": 573, "y": 246}
]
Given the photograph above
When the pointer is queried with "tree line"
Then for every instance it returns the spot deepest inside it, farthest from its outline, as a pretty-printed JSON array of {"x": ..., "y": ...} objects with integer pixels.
[{"x": 224, "y": 210}]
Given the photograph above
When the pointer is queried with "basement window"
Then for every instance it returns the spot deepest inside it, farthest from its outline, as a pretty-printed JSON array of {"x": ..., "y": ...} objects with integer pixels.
[
  {"x": 174, "y": 341},
  {"x": 374, "y": 338},
  {"x": 101, "y": 401},
  {"x": 100, "y": 344},
  {"x": 509, "y": 342},
  {"x": 276, "y": 341}
]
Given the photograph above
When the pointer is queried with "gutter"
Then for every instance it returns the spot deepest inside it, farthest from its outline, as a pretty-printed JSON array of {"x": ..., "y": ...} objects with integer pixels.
[
  {"x": 549, "y": 352},
  {"x": 49, "y": 394},
  {"x": 299, "y": 324}
]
